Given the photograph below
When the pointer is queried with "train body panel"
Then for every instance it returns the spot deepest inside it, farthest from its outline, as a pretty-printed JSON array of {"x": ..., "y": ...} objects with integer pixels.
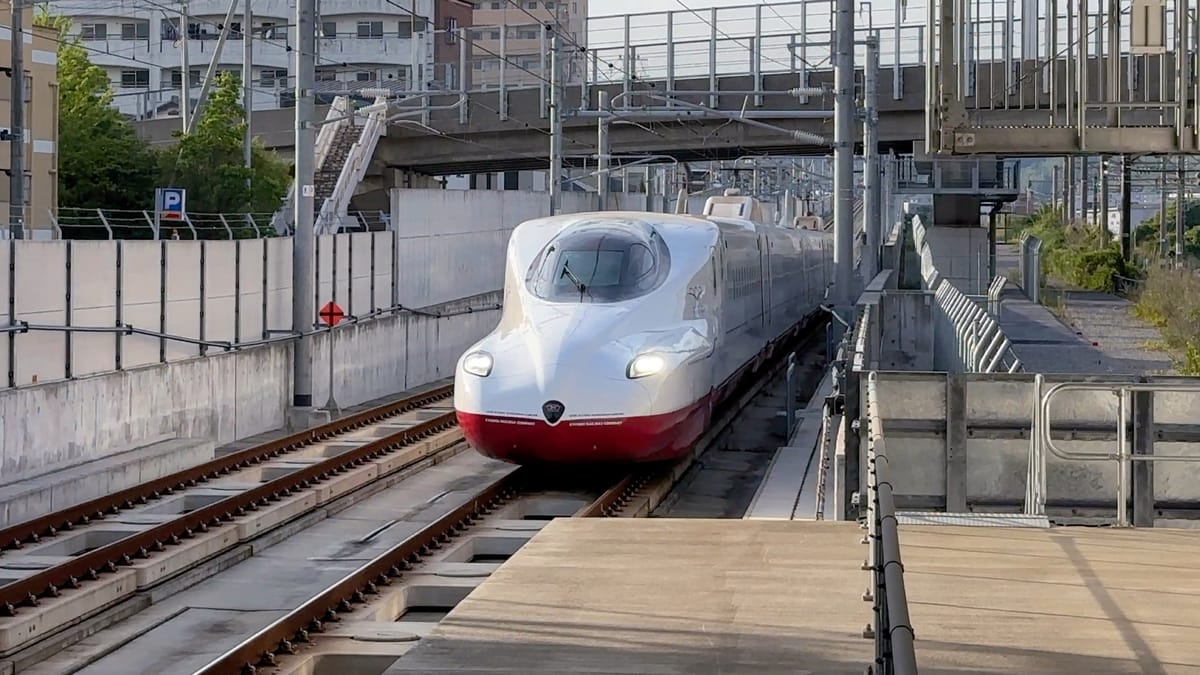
[{"x": 619, "y": 331}]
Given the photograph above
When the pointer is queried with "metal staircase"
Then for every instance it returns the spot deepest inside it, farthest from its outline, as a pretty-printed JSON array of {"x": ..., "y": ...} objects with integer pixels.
[{"x": 344, "y": 147}]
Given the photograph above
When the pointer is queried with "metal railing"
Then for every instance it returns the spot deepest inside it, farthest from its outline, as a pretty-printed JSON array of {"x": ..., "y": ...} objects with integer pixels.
[
  {"x": 118, "y": 224},
  {"x": 982, "y": 345},
  {"x": 1123, "y": 456},
  {"x": 892, "y": 627},
  {"x": 330, "y": 216}
]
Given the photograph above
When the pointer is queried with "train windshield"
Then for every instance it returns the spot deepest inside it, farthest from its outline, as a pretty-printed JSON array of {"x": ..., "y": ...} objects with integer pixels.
[{"x": 599, "y": 264}]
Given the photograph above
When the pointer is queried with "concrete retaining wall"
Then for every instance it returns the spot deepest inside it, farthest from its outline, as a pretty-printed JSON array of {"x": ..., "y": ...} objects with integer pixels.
[
  {"x": 227, "y": 396},
  {"x": 935, "y": 450}
]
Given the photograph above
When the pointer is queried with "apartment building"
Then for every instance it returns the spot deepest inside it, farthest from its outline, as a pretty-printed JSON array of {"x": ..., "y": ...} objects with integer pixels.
[
  {"x": 41, "y": 124},
  {"x": 513, "y": 29},
  {"x": 362, "y": 44}
]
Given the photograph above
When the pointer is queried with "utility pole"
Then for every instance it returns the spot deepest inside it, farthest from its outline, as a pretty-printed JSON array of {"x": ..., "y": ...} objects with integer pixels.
[
  {"x": 1126, "y": 207},
  {"x": 1104, "y": 166},
  {"x": 843, "y": 153},
  {"x": 185, "y": 82},
  {"x": 872, "y": 213},
  {"x": 16, "y": 189},
  {"x": 1180, "y": 211},
  {"x": 247, "y": 82},
  {"x": 1084, "y": 186},
  {"x": 555, "y": 177},
  {"x": 602, "y": 155},
  {"x": 303, "y": 301}
]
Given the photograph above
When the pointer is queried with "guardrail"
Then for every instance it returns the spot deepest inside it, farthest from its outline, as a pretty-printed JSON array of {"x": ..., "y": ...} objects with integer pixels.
[
  {"x": 892, "y": 627},
  {"x": 1122, "y": 455}
]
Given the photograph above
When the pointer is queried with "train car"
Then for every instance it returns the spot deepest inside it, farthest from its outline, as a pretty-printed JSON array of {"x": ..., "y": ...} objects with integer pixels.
[{"x": 621, "y": 331}]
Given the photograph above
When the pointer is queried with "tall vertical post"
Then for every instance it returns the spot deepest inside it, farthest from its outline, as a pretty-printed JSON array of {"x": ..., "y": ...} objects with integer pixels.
[
  {"x": 555, "y": 177},
  {"x": 247, "y": 82},
  {"x": 16, "y": 189},
  {"x": 1113, "y": 55},
  {"x": 1162, "y": 208},
  {"x": 1180, "y": 211},
  {"x": 843, "y": 152},
  {"x": 1069, "y": 172},
  {"x": 1084, "y": 186},
  {"x": 1126, "y": 207},
  {"x": 602, "y": 157},
  {"x": 303, "y": 310},
  {"x": 1104, "y": 162},
  {"x": 185, "y": 79},
  {"x": 872, "y": 215},
  {"x": 1056, "y": 187}
]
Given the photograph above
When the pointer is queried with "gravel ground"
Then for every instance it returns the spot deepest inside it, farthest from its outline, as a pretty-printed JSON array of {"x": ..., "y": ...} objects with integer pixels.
[{"x": 1096, "y": 332}]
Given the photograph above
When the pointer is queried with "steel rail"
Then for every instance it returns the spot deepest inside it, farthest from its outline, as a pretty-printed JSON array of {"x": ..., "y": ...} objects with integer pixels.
[
  {"x": 280, "y": 637},
  {"x": 15, "y": 536},
  {"x": 90, "y": 565}
]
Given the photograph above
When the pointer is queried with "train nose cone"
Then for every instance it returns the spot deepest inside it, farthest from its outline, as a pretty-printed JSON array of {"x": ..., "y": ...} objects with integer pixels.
[{"x": 553, "y": 410}]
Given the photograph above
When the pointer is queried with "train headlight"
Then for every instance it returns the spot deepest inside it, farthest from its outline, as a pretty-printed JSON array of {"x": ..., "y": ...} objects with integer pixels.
[
  {"x": 644, "y": 366},
  {"x": 478, "y": 364}
]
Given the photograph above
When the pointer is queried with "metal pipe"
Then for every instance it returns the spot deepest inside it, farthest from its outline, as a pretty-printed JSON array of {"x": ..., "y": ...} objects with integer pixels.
[
  {"x": 247, "y": 86},
  {"x": 556, "y": 132},
  {"x": 16, "y": 181},
  {"x": 185, "y": 82},
  {"x": 843, "y": 177},
  {"x": 212, "y": 66},
  {"x": 672, "y": 113},
  {"x": 602, "y": 156}
]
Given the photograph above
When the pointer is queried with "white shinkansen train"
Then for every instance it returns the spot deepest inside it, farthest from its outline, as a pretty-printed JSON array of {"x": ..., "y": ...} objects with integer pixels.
[{"x": 622, "y": 330}]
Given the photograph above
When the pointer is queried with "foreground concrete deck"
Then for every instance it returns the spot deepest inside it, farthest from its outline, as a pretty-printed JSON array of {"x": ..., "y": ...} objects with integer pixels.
[
  {"x": 664, "y": 596},
  {"x": 1062, "y": 600}
]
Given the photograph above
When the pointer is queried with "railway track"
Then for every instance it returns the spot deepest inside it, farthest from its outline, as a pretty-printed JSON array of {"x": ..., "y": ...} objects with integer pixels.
[
  {"x": 321, "y": 464},
  {"x": 634, "y": 494}
]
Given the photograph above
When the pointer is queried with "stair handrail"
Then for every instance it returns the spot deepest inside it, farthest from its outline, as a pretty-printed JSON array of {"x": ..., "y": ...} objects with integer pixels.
[
  {"x": 358, "y": 159},
  {"x": 337, "y": 115}
]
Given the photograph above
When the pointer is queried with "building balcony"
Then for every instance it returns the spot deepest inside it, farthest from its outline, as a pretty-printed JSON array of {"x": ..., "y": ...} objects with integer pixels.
[
  {"x": 135, "y": 54},
  {"x": 383, "y": 50}
]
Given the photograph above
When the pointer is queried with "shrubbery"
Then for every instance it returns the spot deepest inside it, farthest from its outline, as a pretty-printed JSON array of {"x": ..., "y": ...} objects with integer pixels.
[
  {"x": 1078, "y": 255},
  {"x": 1170, "y": 299}
]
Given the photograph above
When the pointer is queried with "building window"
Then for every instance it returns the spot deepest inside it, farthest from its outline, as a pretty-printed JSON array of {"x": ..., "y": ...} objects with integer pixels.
[
  {"x": 273, "y": 77},
  {"x": 363, "y": 76},
  {"x": 235, "y": 30},
  {"x": 531, "y": 5},
  {"x": 177, "y": 78},
  {"x": 93, "y": 31},
  {"x": 272, "y": 32},
  {"x": 370, "y": 29},
  {"x": 329, "y": 29},
  {"x": 497, "y": 5},
  {"x": 169, "y": 29},
  {"x": 135, "y": 79},
  {"x": 139, "y": 30},
  {"x": 326, "y": 76},
  {"x": 407, "y": 28},
  {"x": 451, "y": 30}
]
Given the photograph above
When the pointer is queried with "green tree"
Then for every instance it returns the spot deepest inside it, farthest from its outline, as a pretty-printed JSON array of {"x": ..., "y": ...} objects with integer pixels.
[
  {"x": 209, "y": 161},
  {"x": 101, "y": 161}
]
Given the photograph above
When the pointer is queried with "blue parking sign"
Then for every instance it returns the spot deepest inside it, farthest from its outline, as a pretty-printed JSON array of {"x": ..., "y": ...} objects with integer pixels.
[{"x": 171, "y": 203}]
